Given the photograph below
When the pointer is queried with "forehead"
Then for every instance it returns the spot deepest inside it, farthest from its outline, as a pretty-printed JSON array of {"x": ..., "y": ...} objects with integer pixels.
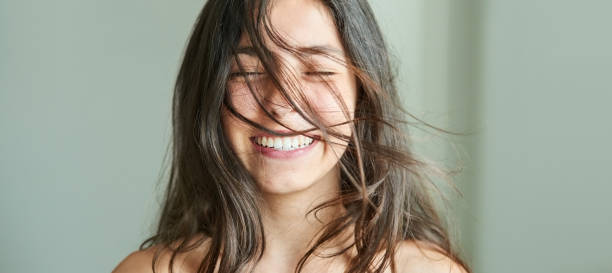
[{"x": 302, "y": 23}]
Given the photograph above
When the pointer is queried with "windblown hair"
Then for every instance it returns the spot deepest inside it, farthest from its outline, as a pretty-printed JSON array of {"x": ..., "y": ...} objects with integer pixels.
[{"x": 210, "y": 192}]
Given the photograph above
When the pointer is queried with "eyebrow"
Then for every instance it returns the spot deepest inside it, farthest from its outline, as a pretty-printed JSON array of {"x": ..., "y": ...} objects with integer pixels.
[{"x": 309, "y": 50}]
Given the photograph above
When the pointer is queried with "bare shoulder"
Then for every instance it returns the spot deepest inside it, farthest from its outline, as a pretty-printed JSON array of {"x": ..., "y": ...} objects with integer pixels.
[
  {"x": 141, "y": 261},
  {"x": 136, "y": 262},
  {"x": 421, "y": 257}
]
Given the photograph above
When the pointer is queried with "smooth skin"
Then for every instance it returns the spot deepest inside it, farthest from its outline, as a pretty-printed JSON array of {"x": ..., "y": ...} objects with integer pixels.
[
  {"x": 291, "y": 187},
  {"x": 412, "y": 257}
]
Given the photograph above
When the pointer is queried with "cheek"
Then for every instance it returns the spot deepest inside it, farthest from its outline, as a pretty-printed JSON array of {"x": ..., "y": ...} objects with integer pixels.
[
  {"x": 332, "y": 104},
  {"x": 234, "y": 128},
  {"x": 242, "y": 100}
]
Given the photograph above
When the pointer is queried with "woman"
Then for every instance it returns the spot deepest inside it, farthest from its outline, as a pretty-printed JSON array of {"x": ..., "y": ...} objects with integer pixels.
[{"x": 289, "y": 154}]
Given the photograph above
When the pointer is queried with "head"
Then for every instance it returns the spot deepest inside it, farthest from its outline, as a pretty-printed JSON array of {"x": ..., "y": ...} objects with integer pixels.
[
  {"x": 277, "y": 97},
  {"x": 279, "y": 115}
]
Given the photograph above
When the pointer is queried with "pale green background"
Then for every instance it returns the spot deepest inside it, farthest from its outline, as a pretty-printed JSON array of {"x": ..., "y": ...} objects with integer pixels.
[{"x": 85, "y": 89}]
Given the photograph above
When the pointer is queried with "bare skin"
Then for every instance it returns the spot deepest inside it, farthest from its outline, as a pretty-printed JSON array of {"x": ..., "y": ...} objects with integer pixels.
[{"x": 412, "y": 257}]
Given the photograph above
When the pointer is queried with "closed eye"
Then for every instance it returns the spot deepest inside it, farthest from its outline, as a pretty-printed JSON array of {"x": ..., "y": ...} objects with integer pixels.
[{"x": 320, "y": 73}]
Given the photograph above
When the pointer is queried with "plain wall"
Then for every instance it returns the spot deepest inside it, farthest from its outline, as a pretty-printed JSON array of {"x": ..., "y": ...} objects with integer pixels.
[
  {"x": 85, "y": 89},
  {"x": 544, "y": 181}
]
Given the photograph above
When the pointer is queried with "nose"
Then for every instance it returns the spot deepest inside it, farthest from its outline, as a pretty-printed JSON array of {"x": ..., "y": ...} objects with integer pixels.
[
  {"x": 277, "y": 105},
  {"x": 279, "y": 108}
]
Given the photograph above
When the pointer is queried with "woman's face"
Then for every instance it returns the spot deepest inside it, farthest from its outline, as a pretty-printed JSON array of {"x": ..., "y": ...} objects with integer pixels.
[{"x": 292, "y": 164}]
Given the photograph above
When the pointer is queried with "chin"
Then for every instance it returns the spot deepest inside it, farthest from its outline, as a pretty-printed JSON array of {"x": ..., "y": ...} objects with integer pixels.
[{"x": 284, "y": 184}]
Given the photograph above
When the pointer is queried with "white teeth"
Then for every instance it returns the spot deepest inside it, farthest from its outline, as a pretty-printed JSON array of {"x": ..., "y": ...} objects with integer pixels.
[
  {"x": 294, "y": 143},
  {"x": 284, "y": 143},
  {"x": 278, "y": 143}
]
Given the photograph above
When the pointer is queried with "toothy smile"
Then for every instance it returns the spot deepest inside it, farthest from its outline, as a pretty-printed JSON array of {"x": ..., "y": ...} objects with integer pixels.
[{"x": 283, "y": 143}]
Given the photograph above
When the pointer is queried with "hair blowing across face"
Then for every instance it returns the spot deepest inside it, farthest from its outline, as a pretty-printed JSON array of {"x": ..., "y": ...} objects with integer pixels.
[{"x": 383, "y": 186}]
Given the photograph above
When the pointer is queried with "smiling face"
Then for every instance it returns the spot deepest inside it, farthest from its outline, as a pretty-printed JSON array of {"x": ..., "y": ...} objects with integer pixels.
[{"x": 290, "y": 164}]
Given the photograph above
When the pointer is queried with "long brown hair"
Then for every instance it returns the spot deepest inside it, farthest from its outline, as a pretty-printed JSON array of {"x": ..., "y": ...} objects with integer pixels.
[{"x": 383, "y": 185}]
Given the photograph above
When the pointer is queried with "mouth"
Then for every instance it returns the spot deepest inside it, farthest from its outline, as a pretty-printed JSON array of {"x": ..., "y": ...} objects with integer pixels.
[
  {"x": 283, "y": 147},
  {"x": 287, "y": 143}
]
